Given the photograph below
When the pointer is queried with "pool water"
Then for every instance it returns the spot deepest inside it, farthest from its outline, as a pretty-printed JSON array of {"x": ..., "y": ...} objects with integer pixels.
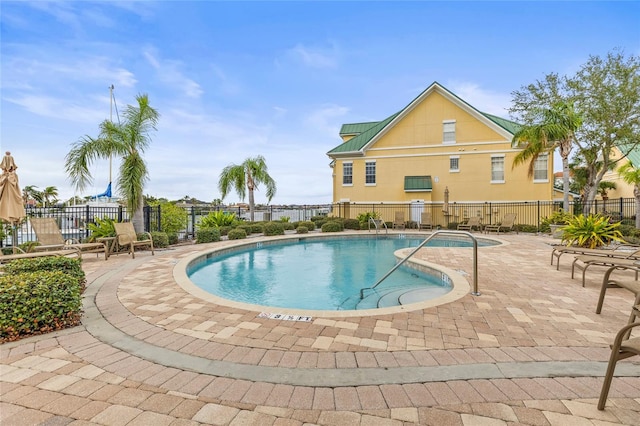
[{"x": 325, "y": 274}]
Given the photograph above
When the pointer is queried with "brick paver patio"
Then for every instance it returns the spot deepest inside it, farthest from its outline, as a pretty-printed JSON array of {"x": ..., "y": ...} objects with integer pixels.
[{"x": 529, "y": 350}]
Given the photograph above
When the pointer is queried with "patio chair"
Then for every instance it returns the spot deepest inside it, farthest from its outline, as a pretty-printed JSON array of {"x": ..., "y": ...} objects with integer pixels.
[
  {"x": 622, "y": 259},
  {"x": 126, "y": 236},
  {"x": 469, "y": 224},
  {"x": 507, "y": 224},
  {"x": 4, "y": 258},
  {"x": 50, "y": 237},
  {"x": 398, "y": 222},
  {"x": 623, "y": 347},
  {"x": 426, "y": 221}
]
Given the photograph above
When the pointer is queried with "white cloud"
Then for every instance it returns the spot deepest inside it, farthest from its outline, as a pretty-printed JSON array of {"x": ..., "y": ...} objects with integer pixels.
[
  {"x": 169, "y": 73},
  {"x": 327, "y": 119},
  {"x": 315, "y": 57},
  {"x": 482, "y": 99}
]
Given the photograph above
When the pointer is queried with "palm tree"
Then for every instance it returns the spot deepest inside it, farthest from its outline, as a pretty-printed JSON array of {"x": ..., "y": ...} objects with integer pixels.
[
  {"x": 631, "y": 175},
  {"x": 248, "y": 175},
  {"x": 30, "y": 192},
  {"x": 555, "y": 130},
  {"x": 128, "y": 140},
  {"x": 50, "y": 193}
]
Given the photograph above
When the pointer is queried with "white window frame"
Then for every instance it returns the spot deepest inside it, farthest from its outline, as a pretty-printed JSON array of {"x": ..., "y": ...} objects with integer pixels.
[
  {"x": 344, "y": 175},
  {"x": 367, "y": 164},
  {"x": 543, "y": 159},
  {"x": 448, "y": 132},
  {"x": 493, "y": 171},
  {"x": 457, "y": 163}
]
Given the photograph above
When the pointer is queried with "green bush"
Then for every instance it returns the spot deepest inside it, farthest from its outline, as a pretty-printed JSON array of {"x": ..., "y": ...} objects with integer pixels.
[
  {"x": 288, "y": 226},
  {"x": 173, "y": 218},
  {"x": 591, "y": 231},
  {"x": 332, "y": 226},
  {"x": 38, "y": 302},
  {"x": 363, "y": 218},
  {"x": 207, "y": 235},
  {"x": 559, "y": 217},
  {"x": 246, "y": 227},
  {"x": 257, "y": 227},
  {"x": 217, "y": 219},
  {"x": 273, "y": 228},
  {"x": 302, "y": 229},
  {"x": 310, "y": 225},
  {"x": 351, "y": 224},
  {"x": 160, "y": 239},
  {"x": 237, "y": 234},
  {"x": 101, "y": 228},
  {"x": 530, "y": 229},
  {"x": 67, "y": 265},
  {"x": 173, "y": 238},
  {"x": 224, "y": 230}
]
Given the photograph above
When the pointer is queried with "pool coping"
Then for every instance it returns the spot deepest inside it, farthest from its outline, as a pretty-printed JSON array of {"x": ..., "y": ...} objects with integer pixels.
[{"x": 460, "y": 285}]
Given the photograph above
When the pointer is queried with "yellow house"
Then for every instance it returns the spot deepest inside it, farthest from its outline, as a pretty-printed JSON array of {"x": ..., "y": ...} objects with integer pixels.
[{"x": 438, "y": 142}]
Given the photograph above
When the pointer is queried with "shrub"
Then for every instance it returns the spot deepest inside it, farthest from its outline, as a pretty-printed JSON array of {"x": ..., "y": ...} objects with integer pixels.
[
  {"x": 237, "y": 234},
  {"x": 246, "y": 227},
  {"x": 273, "y": 228},
  {"x": 332, "y": 226},
  {"x": 207, "y": 235},
  {"x": 173, "y": 238},
  {"x": 67, "y": 265},
  {"x": 351, "y": 224},
  {"x": 302, "y": 229},
  {"x": 173, "y": 218},
  {"x": 559, "y": 217},
  {"x": 224, "y": 230},
  {"x": 285, "y": 219},
  {"x": 217, "y": 219},
  {"x": 363, "y": 218},
  {"x": 288, "y": 226},
  {"x": 310, "y": 225},
  {"x": 101, "y": 228},
  {"x": 591, "y": 231},
  {"x": 160, "y": 239},
  {"x": 38, "y": 302},
  {"x": 257, "y": 228}
]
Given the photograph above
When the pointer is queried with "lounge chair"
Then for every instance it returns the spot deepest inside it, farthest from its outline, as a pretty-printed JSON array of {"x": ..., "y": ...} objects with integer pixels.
[
  {"x": 4, "y": 258},
  {"x": 622, "y": 348},
  {"x": 50, "y": 237},
  {"x": 507, "y": 224},
  {"x": 398, "y": 222},
  {"x": 469, "y": 224},
  {"x": 426, "y": 221},
  {"x": 559, "y": 250},
  {"x": 621, "y": 260},
  {"x": 633, "y": 285},
  {"x": 126, "y": 236}
]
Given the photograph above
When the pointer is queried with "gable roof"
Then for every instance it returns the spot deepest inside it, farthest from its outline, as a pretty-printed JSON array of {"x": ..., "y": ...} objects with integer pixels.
[{"x": 367, "y": 133}]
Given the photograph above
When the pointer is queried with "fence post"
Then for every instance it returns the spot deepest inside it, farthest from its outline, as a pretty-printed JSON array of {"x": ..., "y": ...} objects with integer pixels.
[
  {"x": 119, "y": 213},
  {"x": 193, "y": 223},
  {"x": 87, "y": 220},
  {"x": 538, "y": 226},
  {"x": 159, "y": 218}
]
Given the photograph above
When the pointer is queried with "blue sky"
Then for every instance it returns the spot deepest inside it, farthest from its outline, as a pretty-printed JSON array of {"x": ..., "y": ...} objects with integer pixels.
[{"x": 232, "y": 80}]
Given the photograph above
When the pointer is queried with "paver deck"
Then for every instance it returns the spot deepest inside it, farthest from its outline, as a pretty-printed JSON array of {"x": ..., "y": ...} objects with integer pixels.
[{"x": 528, "y": 350}]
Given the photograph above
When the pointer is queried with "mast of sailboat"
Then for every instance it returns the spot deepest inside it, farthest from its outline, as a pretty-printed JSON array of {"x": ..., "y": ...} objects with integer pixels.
[{"x": 111, "y": 120}]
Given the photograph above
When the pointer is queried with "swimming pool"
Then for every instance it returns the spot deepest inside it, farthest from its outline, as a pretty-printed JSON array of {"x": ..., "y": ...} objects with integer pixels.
[{"x": 321, "y": 273}]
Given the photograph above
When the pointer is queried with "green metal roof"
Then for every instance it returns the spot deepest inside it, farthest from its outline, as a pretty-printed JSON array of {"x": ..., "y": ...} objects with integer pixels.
[{"x": 367, "y": 131}]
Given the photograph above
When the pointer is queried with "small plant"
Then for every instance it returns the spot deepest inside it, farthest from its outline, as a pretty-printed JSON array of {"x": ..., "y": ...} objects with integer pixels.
[
  {"x": 273, "y": 228},
  {"x": 160, "y": 239},
  {"x": 285, "y": 219},
  {"x": 332, "y": 226},
  {"x": 363, "y": 218},
  {"x": 101, "y": 228},
  {"x": 559, "y": 217},
  {"x": 302, "y": 229},
  {"x": 310, "y": 225},
  {"x": 217, "y": 219},
  {"x": 207, "y": 235},
  {"x": 591, "y": 231},
  {"x": 237, "y": 234},
  {"x": 351, "y": 224}
]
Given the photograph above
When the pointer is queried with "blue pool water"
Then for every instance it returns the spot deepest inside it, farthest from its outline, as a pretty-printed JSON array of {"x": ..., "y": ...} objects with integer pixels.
[{"x": 325, "y": 274}]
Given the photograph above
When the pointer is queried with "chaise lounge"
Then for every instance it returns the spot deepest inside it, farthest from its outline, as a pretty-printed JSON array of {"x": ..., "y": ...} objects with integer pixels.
[{"x": 50, "y": 237}]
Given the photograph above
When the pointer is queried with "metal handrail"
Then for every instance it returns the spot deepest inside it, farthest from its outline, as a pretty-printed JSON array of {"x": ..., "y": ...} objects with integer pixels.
[
  {"x": 475, "y": 291},
  {"x": 375, "y": 224}
]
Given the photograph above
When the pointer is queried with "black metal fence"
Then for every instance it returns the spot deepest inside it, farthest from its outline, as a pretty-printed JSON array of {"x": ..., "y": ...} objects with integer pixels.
[{"x": 73, "y": 221}]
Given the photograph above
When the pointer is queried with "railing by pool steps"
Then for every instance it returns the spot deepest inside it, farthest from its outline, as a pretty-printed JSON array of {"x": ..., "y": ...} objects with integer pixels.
[{"x": 475, "y": 291}]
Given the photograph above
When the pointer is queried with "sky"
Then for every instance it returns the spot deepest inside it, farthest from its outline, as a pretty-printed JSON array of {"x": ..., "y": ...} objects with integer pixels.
[{"x": 233, "y": 80}]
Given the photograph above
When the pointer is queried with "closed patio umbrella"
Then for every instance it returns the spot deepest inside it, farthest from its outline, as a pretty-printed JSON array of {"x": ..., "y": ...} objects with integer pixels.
[{"x": 11, "y": 204}]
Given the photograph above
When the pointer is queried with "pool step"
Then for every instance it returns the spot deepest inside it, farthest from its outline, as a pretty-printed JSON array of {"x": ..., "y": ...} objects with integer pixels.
[{"x": 399, "y": 296}]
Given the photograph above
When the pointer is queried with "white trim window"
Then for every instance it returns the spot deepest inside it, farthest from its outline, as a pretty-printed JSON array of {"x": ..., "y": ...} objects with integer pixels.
[
  {"x": 541, "y": 168},
  {"x": 454, "y": 164},
  {"x": 497, "y": 168},
  {"x": 370, "y": 173},
  {"x": 347, "y": 173},
  {"x": 449, "y": 132}
]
